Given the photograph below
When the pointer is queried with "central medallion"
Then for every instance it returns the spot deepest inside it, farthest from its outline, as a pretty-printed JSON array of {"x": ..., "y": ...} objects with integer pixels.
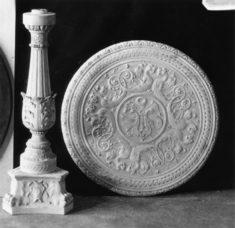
[{"x": 141, "y": 118}]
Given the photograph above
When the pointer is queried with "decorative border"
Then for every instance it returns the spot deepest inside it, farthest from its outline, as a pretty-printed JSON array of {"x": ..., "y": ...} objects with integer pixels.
[{"x": 79, "y": 83}]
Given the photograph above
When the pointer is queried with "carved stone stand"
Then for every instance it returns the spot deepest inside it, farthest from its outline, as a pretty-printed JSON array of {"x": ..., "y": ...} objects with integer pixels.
[
  {"x": 38, "y": 186},
  {"x": 38, "y": 193}
]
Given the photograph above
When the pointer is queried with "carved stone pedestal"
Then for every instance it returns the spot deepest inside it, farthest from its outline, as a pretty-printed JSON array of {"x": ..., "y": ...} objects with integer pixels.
[
  {"x": 44, "y": 193},
  {"x": 38, "y": 186}
]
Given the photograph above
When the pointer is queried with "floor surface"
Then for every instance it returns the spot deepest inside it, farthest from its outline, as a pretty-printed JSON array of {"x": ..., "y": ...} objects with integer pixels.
[{"x": 208, "y": 209}]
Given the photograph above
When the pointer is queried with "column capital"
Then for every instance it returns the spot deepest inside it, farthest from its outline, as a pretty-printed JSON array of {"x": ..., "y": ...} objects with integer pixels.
[{"x": 39, "y": 17}]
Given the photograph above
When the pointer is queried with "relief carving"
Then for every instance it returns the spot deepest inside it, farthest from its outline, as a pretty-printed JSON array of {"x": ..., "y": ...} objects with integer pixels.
[
  {"x": 38, "y": 114},
  {"x": 51, "y": 192},
  {"x": 136, "y": 104},
  {"x": 143, "y": 118}
]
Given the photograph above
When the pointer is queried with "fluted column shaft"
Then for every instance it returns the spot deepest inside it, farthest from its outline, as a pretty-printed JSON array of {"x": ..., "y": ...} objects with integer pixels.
[
  {"x": 39, "y": 78},
  {"x": 38, "y": 113}
]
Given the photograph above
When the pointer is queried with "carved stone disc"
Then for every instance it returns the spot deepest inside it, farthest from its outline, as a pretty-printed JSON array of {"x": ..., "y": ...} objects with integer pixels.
[{"x": 139, "y": 118}]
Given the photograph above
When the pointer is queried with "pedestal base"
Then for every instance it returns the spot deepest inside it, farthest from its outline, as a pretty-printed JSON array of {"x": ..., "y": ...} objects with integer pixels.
[{"x": 32, "y": 194}]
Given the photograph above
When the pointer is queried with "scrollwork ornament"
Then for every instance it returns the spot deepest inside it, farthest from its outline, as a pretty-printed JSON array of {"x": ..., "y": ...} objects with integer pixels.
[{"x": 141, "y": 112}]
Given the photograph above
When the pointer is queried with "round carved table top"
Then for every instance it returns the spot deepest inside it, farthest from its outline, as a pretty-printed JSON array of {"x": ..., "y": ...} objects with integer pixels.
[{"x": 139, "y": 118}]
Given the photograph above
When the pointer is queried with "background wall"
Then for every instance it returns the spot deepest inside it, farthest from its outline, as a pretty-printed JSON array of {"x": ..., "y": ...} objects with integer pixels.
[{"x": 86, "y": 26}]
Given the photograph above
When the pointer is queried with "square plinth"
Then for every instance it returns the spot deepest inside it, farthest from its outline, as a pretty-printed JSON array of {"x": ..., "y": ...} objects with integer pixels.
[{"x": 43, "y": 193}]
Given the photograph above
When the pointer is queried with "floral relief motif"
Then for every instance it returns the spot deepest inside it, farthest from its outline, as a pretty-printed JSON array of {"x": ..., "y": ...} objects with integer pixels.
[
  {"x": 141, "y": 118},
  {"x": 38, "y": 38},
  {"x": 139, "y": 104},
  {"x": 41, "y": 191},
  {"x": 38, "y": 114}
]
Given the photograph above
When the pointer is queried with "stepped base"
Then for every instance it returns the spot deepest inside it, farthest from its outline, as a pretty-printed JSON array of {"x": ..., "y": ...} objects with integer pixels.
[{"x": 32, "y": 194}]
